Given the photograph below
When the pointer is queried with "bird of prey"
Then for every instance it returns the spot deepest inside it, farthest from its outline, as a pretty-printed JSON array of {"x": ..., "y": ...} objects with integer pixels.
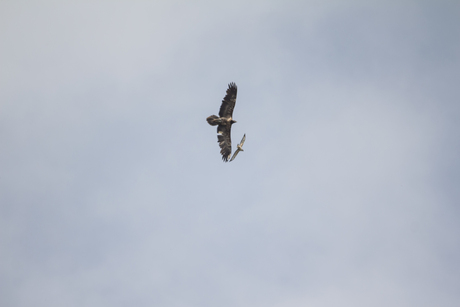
[
  {"x": 225, "y": 121},
  {"x": 239, "y": 147}
]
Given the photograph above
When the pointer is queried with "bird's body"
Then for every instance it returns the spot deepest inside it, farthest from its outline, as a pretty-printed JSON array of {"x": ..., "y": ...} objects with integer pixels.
[
  {"x": 225, "y": 121},
  {"x": 239, "y": 148}
]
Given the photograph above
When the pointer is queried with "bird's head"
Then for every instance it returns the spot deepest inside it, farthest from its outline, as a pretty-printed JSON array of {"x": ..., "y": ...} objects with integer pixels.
[{"x": 233, "y": 121}]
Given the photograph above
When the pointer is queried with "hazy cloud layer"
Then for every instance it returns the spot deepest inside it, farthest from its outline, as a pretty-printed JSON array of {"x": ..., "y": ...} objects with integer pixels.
[{"x": 113, "y": 192}]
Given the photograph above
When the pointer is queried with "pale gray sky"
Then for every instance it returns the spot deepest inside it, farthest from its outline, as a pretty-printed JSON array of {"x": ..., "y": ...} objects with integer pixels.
[{"x": 113, "y": 191}]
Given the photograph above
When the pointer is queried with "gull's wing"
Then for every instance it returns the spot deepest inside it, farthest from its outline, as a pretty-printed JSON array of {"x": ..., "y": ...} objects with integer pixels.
[
  {"x": 242, "y": 140},
  {"x": 234, "y": 154}
]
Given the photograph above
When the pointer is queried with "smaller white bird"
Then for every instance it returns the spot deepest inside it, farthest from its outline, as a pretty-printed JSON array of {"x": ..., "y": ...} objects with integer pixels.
[{"x": 239, "y": 147}]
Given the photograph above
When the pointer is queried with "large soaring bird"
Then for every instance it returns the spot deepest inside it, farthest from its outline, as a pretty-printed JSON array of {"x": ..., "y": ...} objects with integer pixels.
[
  {"x": 239, "y": 147},
  {"x": 225, "y": 121}
]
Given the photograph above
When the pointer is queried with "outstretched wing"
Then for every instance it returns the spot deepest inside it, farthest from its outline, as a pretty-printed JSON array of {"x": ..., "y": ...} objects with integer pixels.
[
  {"x": 234, "y": 154},
  {"x": 228, "y": 103},
  {"x": 242, "y": 140},
  {"x": 225, "y": 141}
]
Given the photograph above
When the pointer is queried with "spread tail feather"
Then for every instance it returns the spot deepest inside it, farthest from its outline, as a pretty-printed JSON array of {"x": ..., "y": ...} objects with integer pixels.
[{"x": 213, "y": 120}]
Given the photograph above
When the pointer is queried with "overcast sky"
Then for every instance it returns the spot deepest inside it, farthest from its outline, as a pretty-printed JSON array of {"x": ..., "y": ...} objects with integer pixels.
[{"x": 113, "y": 191}]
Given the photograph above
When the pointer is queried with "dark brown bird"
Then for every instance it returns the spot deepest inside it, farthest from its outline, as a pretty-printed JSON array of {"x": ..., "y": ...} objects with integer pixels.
[{"x": 225, "y": 121}]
